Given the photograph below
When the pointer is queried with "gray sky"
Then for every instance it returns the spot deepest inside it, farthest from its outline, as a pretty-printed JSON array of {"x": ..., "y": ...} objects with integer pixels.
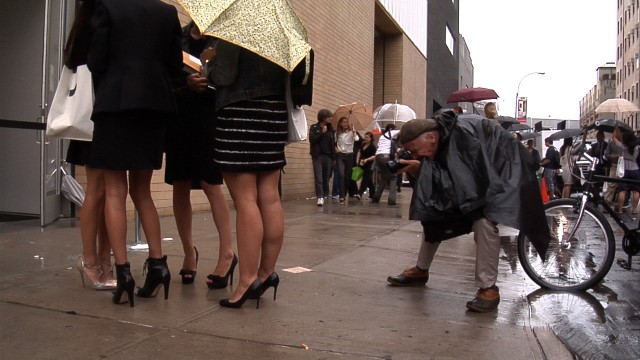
[{"x": 566, "y": 39}]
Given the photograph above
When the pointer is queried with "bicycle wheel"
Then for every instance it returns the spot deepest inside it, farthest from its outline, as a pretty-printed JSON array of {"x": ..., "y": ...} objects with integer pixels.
[{"x": 576, "y": 264}]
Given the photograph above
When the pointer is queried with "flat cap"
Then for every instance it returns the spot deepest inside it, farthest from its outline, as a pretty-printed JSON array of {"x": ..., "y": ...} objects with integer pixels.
[{"x": 416, "y": 127}]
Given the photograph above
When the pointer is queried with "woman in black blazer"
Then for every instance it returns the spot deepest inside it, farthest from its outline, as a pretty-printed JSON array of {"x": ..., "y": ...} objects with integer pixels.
[{"x": 134, "y": 54}]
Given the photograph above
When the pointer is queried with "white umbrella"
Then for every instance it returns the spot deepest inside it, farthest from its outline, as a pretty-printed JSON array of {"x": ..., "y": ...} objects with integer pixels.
[
  {"x": 617, "y": 106},
  {"x": 392, "y": 113}
]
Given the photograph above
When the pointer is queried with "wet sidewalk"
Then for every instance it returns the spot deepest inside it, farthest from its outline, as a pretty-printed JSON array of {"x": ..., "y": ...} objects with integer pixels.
[{"x": 340, "y": 308}]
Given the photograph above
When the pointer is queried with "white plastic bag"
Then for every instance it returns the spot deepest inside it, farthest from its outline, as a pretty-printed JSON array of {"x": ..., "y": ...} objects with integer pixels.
[
  {"x": 297, "y": 119},
  {"x": 620, "y": 168},
  {"x": 70, "y": 113}
]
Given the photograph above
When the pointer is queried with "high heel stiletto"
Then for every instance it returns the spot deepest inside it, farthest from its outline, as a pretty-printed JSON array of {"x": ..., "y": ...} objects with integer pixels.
[
  {"x": 93, "y": 273},
  {"x": 188, "y": 276},
  {"x": 157, "y": 274},
  {"x": 126, "y": 284},
  {"x": 252, "y": 291},
  {"x": 221, "y": 282},
  {"x": 106, "y": 277},
  {"x": 272, "y": 281}
]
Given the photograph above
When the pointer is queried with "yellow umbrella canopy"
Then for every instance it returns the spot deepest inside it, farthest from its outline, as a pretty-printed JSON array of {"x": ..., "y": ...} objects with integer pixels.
[{"x": 269, "y": 28}]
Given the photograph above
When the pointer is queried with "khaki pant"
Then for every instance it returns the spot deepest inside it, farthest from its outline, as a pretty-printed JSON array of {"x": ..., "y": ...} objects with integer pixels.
[
  {"x": 611, "y": 187},
  {"x": 487, "y": 238}
]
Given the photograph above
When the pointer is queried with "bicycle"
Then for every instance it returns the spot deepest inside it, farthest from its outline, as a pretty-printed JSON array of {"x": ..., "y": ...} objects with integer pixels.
[{"x": 582, "y": 247}]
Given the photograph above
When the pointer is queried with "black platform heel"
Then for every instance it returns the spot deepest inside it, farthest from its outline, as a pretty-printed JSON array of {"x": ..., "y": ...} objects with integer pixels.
[
  {"x": 252, "y": 291},
  {"x": 221, "y": 282},
  {"x": 191, "y": 273},
  {"x": 157, "y": 274},
  {"x": 125, "y": 285}
]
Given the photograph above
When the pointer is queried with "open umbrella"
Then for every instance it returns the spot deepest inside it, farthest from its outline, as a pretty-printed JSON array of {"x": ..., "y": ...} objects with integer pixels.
[
  {"x": 507, "y": 120},
  {"x": 269, "y": 28},
  {"x": 608, "y": 125},
  {"x": 71, "y": 189},
  {"x": 359, "y": 115},
  {"x": 392, "y": 113},
  {"x": 528, "y": 135},
  {"x": 565, "y": 133},
  {"x": 472, "y": 94},
  {"x": 515, "y": 127},
  {"x": 616, "y": 106}
]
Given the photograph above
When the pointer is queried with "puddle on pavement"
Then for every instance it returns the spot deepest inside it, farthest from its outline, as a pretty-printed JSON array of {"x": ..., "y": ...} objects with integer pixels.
[{"x": 580, "y": 319}]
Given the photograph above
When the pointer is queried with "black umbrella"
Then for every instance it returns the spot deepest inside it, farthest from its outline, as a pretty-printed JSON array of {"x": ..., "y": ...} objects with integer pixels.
[
  {"x": 515, "y": 127},
  {"x": 528, "y": 135},
  {"x": 565, "y": 133},
  {"x": 607, "y": 125}
]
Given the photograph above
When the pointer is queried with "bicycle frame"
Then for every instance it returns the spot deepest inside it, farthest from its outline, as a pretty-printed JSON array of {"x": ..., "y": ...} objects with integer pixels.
[{"x": 591, "y": 193}]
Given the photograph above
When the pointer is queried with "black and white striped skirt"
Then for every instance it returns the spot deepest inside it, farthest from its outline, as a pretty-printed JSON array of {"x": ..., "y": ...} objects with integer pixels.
[{"x": 251, "y": 135}]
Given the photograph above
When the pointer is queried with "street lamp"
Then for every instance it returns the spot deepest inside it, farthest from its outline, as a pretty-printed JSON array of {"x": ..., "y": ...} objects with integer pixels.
[{"x": 518, "y": 92}]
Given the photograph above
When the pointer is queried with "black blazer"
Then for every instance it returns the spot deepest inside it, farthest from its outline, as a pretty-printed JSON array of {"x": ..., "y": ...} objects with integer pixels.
[{"x": 134, "y": 54}]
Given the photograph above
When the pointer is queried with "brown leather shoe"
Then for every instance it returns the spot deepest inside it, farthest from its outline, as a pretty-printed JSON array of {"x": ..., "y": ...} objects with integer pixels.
[
  {"x": 412, "y": 276},
  {"x": 486, "y": 300}
]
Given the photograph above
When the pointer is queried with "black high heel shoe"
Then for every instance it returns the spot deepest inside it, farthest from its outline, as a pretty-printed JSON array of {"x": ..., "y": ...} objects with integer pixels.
[
  {"x": 252, "y": 291},
  {"x": 220, "y": 282},
  {"x": 157, "y": 274},
  {"x": 188, "y": 276},
  {"x": 126, "y": 284},
  {"x": 272, "y": 280}
]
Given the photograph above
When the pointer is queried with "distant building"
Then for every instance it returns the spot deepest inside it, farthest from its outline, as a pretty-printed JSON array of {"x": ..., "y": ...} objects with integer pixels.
[
  {"x": 465, "y": 72},
  {"x": 442, "y": 53},
  {"x": 628, "y": 57},
  {"x": 604, "y": 89}
]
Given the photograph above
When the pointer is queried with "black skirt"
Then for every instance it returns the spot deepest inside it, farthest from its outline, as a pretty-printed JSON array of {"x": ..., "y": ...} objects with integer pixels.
[
  {"x": 128, "y": 140},
  {"x": 190, "y": 143},
  {"x": 251, "y": 135},
  {"x": 79, "y": 152}
]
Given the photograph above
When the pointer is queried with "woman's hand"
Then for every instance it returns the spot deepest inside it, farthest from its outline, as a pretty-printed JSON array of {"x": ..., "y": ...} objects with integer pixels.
[
  {"x": 207, "y": 55},
  {"x": 196, "y": 83}
]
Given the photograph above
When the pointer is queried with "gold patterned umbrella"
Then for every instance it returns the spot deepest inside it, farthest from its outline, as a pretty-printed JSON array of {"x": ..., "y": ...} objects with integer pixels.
[{"x": 269, "y": 28}]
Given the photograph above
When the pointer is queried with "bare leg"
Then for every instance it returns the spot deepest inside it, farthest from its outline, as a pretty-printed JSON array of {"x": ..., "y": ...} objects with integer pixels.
[
  {"x": 92, "y": 209},
  {"x": 621, "y": 196},
  {"x": 222, "y": 219},
  {"x": 183, "y": 215},
  {"x": 140, "y": 191},
  {"x": 116, "y": 213},
  {"x": 249, "y": 227},
  {"x": 273, "y": 221},
  {"x": 566, "y": 191},
  {"x": 634, "y": 202}
]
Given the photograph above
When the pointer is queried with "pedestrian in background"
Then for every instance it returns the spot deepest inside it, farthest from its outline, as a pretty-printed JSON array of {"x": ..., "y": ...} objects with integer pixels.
[
  {"x": 386, "y": 151},
  {"x": 551, "y": 164},
  {"x": 346, "y": 136},
  {"x": 365, "y": 158},
  {"x": 630, "y": 154},
  {"x": 322, "y": 151},
  {"x": 612, "y": 153},
  {"x": 134, "y": 55},
  {"x": 534, "y": 156}
]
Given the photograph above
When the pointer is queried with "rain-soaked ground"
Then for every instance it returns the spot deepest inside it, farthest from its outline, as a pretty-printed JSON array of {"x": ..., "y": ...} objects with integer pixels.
[{"x": 601, "y": 323}]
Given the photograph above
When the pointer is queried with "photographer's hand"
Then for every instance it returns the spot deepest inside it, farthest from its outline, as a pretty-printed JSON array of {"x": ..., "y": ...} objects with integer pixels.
[{"x": 412, "y": 167}]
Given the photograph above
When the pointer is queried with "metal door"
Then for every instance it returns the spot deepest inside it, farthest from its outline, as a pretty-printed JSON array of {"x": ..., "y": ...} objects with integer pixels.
[{"x": 32, "y": 33}]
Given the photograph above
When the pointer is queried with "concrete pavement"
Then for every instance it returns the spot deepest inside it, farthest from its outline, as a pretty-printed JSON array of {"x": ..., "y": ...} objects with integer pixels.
[{"x": 342, "y": 308}]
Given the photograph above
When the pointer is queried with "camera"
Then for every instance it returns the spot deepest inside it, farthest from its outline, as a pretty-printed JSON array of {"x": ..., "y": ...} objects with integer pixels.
[{"x": 395, "y": 165}]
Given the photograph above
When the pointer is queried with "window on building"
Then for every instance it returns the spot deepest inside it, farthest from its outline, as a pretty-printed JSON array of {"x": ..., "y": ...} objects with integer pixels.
[
  {"x": 450, "y": 39},
  {"x": 605, "y": 77}
]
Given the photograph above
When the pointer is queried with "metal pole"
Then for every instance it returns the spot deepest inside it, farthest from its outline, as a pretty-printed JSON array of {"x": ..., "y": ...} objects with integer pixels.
[
  {"x": 515, "y": 113},
  {"x": 138, "y": 244}
]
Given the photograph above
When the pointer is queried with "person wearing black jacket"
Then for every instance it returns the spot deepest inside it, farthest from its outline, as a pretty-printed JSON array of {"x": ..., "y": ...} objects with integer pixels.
[{"x": 322, "y": 150}]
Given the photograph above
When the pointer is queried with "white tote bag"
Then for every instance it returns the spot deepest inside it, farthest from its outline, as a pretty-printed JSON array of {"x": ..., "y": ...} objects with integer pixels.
[
  {"x": 297, "y": 119},
  {"x": 70, "y": 113}
]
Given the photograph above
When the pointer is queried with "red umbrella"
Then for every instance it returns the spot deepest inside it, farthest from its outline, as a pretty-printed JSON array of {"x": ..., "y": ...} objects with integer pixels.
[{"x": 471, "y": 95}]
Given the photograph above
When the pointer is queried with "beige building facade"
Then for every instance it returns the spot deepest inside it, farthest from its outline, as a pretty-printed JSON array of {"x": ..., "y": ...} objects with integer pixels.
[
  {"x": 628, "y": 57},
  {"x": 604, "y": 89}
]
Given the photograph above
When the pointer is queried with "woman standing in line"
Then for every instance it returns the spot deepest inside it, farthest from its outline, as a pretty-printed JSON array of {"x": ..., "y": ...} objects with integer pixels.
[
  {"x": 366, "y": 156},
  {"x": 190, "y": 165},
  {"x": 134, "y": 55},
  {"x": 249, "y": 148},
  {"x": 95, "y": 263},
  {"x": 345, "y": 137}
]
